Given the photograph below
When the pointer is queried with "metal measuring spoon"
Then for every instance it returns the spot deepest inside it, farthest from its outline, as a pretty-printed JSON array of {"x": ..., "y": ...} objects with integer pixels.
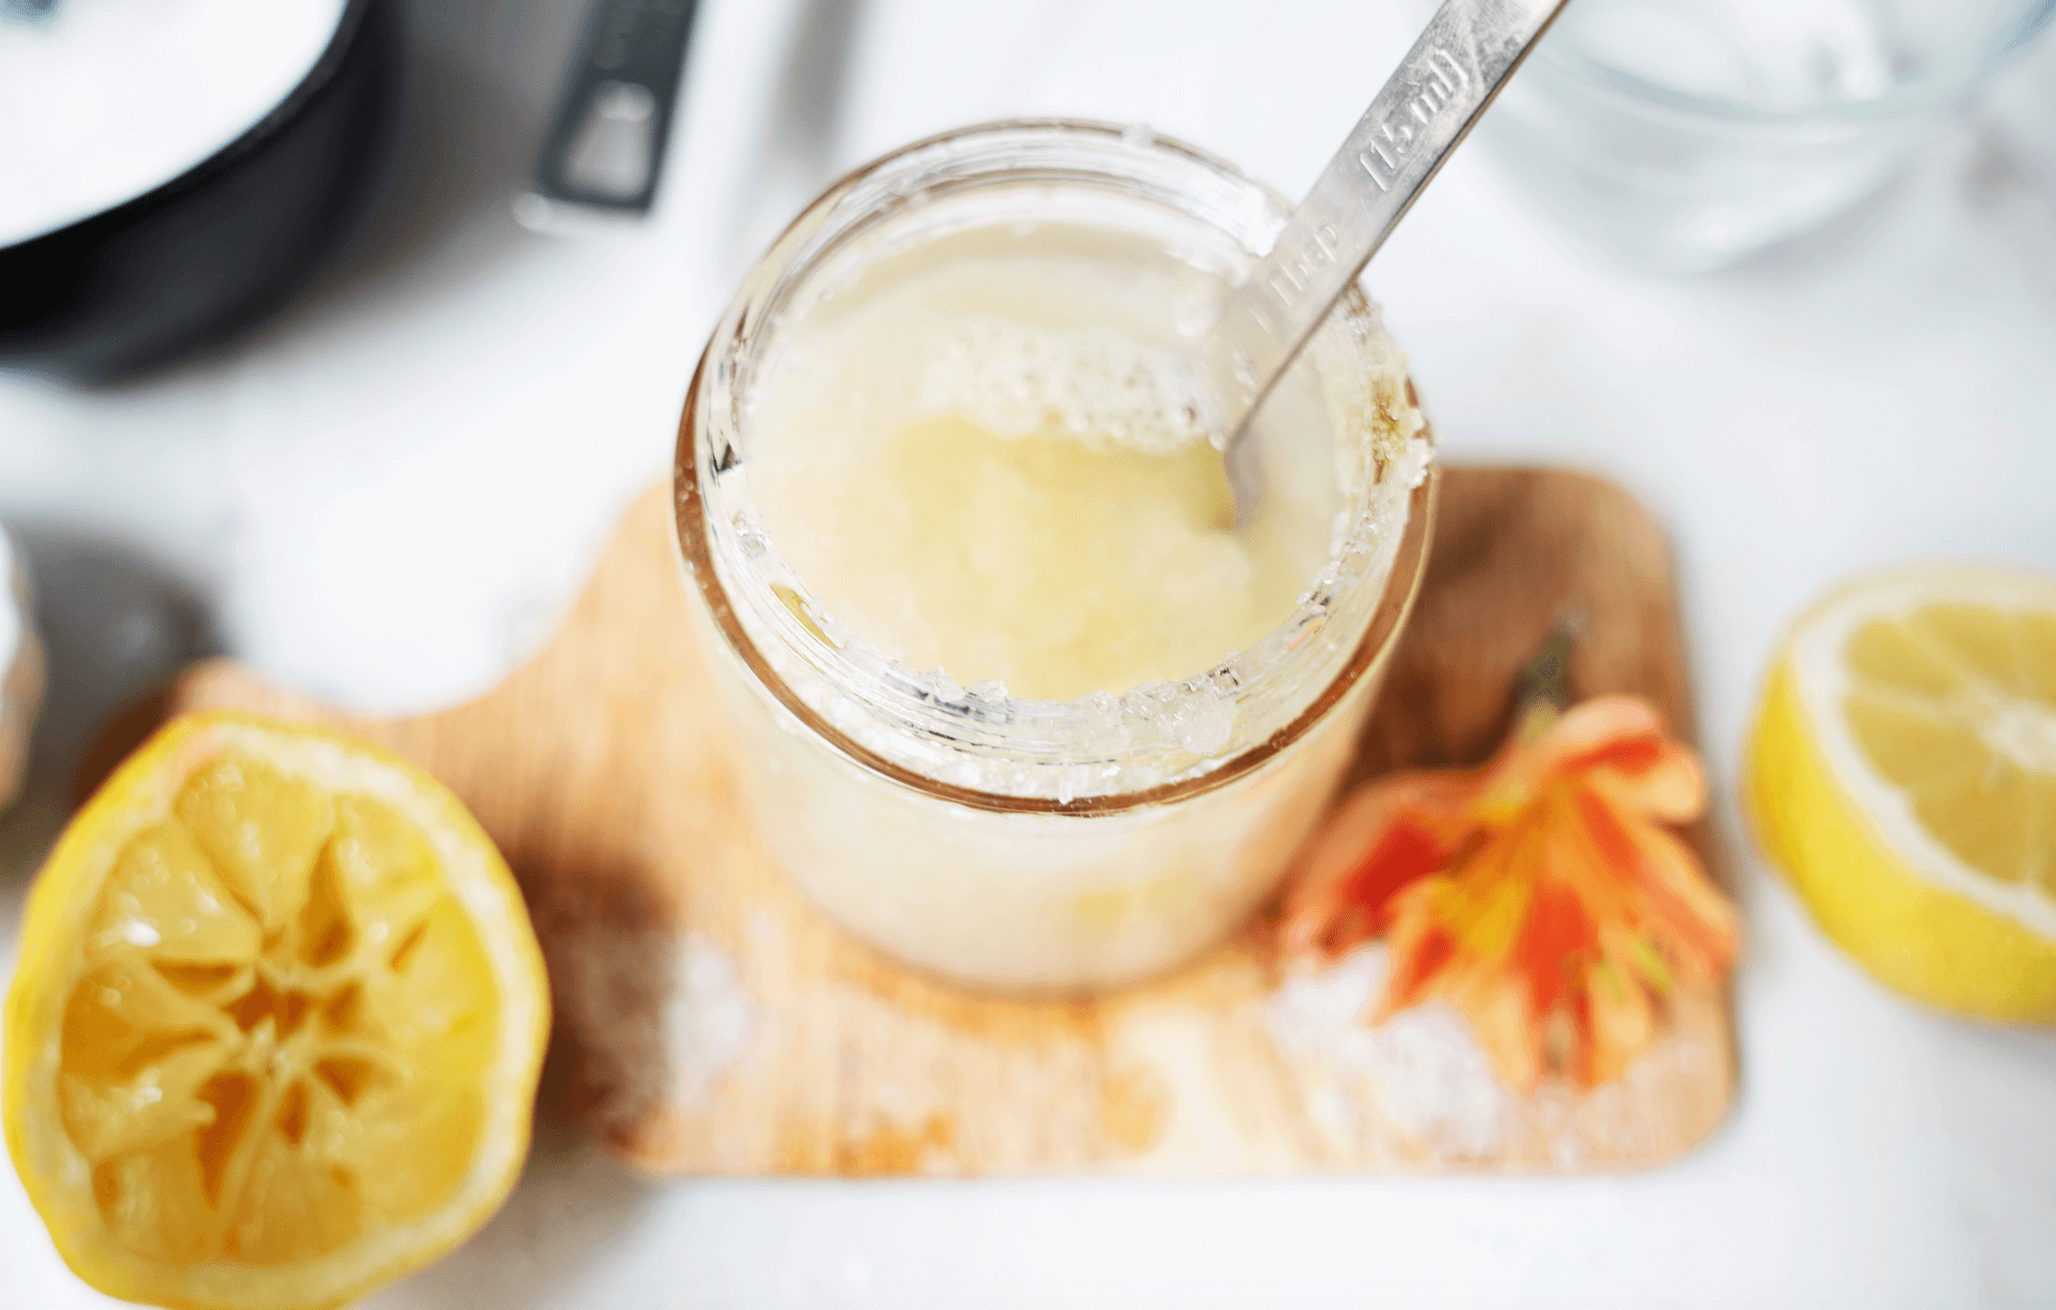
[{"x": 1428, "y": 105}]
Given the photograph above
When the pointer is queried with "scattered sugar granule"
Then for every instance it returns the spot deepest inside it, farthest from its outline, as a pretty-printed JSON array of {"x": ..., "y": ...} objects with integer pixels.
[
  {"x": 1431, "y": 1079},
  {"x": 710, "y": 1018}
]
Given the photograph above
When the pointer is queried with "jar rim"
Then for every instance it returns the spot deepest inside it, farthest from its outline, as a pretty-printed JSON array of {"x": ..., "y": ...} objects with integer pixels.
[{"x": 694, "y": 523}]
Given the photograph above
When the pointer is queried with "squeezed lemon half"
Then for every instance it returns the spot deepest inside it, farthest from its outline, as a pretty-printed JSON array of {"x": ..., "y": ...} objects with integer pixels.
[
  {"x": 276, "y": 1029},
  {"x": 1902, "y": 775}
]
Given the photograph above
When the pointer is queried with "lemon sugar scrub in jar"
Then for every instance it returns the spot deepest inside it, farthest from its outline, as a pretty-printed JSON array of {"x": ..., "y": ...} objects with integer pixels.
[{"x": 1023, "y": 698}]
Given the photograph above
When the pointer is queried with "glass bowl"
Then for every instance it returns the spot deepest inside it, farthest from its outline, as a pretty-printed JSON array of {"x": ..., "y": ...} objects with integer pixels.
[{"x": 1689, "y": 134}]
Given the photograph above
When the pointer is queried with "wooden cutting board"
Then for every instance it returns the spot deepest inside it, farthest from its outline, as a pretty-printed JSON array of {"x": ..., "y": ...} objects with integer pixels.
[{"x": 709, "y": 1021}]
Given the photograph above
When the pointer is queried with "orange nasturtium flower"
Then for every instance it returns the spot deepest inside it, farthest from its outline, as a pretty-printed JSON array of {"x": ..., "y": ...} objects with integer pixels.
[{"x": 1542, "y": 894}]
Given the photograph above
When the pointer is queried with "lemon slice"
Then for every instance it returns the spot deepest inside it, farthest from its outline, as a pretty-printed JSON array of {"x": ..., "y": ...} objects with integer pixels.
[
  {"x": 276, "y": 1029},
  {"x": 1902, "y": 773}
]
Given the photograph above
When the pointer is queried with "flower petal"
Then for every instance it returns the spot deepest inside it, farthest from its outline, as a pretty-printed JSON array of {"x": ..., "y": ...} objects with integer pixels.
[
  {"x": 1664, "y": 782},
  {"x": 1697, "y": 921},
  {"x": 1421, "y": 947},
  {"x": 1589, "y": 730},
  {"x": 1503, "y": 1015},
  {"x": 1392, "y": 832},
  {"x": 1556, "y": 935},
  {"x": 1485, "y": 907},
  {"x": 1619, "y": 1021}
]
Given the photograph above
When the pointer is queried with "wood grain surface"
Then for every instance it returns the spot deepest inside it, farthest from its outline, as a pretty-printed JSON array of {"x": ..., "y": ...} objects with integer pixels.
[{"x": 710, "y": 1021}]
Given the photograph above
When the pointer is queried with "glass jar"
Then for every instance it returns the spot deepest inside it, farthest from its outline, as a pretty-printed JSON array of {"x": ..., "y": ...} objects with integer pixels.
[{"x": 1042, "y": 844}]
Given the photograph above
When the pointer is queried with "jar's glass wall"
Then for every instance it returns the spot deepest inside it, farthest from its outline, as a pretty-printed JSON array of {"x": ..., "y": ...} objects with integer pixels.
[{"x": 1034, "y": 901}]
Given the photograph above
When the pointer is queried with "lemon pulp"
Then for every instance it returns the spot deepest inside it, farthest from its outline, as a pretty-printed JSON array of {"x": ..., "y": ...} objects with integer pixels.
[
  {"x": 1956, "y": 705},
  {"x": 279, "y": 990}
]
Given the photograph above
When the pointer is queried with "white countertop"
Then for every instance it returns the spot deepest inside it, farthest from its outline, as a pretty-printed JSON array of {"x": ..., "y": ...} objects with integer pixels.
[{"x": 388, "y": 495}]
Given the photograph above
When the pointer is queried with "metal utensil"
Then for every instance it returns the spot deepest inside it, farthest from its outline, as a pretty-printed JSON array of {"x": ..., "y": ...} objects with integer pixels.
[
  {"x": 1429, "y": 104},
  {"x": 605, "y": 147}
]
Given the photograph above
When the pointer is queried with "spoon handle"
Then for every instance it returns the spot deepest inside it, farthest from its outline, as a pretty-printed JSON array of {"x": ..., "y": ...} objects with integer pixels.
[
  {"x": 606, "y": 141},
  {"x": 1438, "y": 91}
]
